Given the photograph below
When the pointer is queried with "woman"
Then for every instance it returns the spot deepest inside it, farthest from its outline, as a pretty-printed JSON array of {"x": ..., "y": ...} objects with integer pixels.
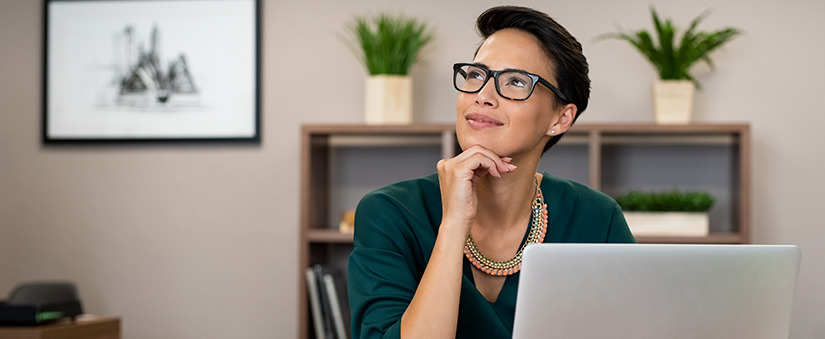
[{"x": 438, "y": 257}]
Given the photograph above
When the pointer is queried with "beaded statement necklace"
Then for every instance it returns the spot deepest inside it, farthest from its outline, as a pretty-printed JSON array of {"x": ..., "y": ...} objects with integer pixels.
[{"x": 538, "y": 229}]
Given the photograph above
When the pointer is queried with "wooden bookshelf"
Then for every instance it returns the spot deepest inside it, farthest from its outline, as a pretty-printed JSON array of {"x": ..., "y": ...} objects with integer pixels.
[{"x": 609, "y": 157}]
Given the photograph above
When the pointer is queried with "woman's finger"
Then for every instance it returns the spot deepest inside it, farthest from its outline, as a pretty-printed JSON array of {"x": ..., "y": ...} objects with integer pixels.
[{"x": 501, "y": 164}]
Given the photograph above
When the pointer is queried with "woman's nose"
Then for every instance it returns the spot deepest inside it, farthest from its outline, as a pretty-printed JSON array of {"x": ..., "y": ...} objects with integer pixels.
[{"x": 488, "y": 96}]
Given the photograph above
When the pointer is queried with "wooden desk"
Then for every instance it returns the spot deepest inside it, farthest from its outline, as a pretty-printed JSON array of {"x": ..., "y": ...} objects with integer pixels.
[{"x": 86, "y": 328}]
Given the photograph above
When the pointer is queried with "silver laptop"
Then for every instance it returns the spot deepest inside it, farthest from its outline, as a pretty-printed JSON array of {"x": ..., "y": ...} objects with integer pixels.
[{"x": 656, "y": 291}]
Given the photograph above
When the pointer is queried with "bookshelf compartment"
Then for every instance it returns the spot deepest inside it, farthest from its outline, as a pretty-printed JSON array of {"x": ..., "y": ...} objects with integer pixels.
[{"x": 357, "y": 170}]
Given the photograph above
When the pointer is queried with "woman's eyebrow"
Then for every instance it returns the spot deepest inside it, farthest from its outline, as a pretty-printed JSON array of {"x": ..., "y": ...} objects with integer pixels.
[{"x": 503, "y": 70}]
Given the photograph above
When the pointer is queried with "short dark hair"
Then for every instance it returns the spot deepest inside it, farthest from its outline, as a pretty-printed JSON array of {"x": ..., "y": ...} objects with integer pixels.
[{"x": 557, "y": 43}]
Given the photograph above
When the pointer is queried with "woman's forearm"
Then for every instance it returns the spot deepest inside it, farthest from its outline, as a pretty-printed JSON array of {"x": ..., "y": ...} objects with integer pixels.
[{"x": 433, "y": 312}]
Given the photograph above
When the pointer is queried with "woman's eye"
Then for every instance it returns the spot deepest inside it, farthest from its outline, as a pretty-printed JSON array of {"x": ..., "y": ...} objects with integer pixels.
[
  {"x": 475, "y": 74},
  {"x": 516, "y": 82}
]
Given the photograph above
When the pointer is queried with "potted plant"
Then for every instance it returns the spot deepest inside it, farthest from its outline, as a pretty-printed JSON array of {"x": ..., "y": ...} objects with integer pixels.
[
  {"x": 388, "y": 46},
  {"x": 667, "y": 213},
  {"x": 673, "y": 58}
]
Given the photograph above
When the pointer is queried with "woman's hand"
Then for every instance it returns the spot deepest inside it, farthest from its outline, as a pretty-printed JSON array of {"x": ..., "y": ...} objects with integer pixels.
[{"x": 458, "y": 177}]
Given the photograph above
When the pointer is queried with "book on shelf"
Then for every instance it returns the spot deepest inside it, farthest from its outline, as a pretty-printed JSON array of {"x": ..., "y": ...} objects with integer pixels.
[
  {"x": 334, "y": 303},
  {"x": 315, "y": 303},
  {"x": 326, "y": 305}
]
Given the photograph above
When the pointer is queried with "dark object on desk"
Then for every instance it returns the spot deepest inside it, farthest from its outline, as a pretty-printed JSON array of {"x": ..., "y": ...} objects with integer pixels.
[{"x": 40, "y": 303}]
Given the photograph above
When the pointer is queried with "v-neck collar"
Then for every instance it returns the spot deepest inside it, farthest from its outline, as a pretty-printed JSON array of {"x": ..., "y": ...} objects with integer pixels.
[{"x": 510, "y": 283}]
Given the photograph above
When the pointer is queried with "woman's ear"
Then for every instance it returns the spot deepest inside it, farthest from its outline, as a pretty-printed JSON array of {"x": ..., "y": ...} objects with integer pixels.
[{"x": 564, "y": 120}]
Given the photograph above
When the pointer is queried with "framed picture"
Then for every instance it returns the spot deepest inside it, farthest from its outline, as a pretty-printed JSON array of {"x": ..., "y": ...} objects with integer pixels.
[{"x": 138, "y": 71}]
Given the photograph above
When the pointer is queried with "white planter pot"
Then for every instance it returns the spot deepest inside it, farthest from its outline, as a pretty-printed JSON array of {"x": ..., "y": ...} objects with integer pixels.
[
  {"x": 673, "y": 101},
  {"x": 388, "y": 99},
  {"x": 677, "y": 224}
]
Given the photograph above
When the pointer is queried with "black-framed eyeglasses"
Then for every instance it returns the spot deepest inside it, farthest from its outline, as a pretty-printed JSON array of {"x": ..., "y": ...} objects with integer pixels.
[{"x": 510, "y": 84}]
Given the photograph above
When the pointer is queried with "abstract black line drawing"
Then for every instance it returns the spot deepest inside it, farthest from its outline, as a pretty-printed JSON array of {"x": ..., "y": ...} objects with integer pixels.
[{"x": 142, "y": 78}]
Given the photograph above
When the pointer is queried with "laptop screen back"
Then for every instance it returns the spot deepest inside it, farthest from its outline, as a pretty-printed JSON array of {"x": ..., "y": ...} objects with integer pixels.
[{"x": 656, "y": 291}]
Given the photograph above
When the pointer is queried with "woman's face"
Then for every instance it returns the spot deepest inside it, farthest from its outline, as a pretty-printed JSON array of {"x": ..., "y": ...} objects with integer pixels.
[{"x": 507, "y": 127}]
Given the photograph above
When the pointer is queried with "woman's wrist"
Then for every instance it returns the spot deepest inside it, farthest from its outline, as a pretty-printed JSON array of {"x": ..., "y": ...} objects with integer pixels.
[{"x": 455, "y": 230}]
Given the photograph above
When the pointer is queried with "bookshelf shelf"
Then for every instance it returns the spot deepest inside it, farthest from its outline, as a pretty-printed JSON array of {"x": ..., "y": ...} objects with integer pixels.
[
  {"x": 340, "y": 163},
  {"x": 713, "y": 238},
  {"x": 324, "y": 236}
]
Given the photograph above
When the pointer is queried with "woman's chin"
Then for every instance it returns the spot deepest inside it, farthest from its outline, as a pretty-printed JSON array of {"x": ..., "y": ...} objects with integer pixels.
[{"x": 486, "y": 144}]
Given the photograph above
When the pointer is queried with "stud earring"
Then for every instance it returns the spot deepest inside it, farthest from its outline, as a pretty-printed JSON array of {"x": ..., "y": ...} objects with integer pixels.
[{"x": 552, "y": 131}]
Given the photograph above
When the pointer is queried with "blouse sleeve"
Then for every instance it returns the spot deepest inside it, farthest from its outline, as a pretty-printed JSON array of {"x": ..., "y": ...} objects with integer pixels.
[
  {"x": 381, "y": 278},
  {"x": 619, "y": 231}
]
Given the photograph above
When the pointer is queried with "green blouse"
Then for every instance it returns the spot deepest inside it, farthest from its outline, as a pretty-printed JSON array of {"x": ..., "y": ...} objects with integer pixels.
[{"x": 395, "y": 231}]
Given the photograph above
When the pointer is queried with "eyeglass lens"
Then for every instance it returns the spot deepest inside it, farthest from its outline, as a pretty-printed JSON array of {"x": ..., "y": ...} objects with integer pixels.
[{"x": 509, "y": 84}]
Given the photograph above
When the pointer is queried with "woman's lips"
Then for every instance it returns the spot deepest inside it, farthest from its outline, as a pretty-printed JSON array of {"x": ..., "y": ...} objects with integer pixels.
[{"x": 476, "y": 120}]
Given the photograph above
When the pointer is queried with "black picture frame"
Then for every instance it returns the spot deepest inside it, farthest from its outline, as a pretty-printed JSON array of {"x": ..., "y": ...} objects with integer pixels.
[{"x": 122, "y": 71}]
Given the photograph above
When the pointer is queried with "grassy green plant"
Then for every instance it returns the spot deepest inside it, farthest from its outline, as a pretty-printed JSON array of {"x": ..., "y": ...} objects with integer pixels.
[
  {"x": 667, "y": 201},
  {"x": 389, "y": 44},
  {"x": 671, "y": 58}
]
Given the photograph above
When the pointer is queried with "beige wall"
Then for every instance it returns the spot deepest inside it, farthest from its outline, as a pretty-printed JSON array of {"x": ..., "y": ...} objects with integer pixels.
[{"x": 201, "y": 241}]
